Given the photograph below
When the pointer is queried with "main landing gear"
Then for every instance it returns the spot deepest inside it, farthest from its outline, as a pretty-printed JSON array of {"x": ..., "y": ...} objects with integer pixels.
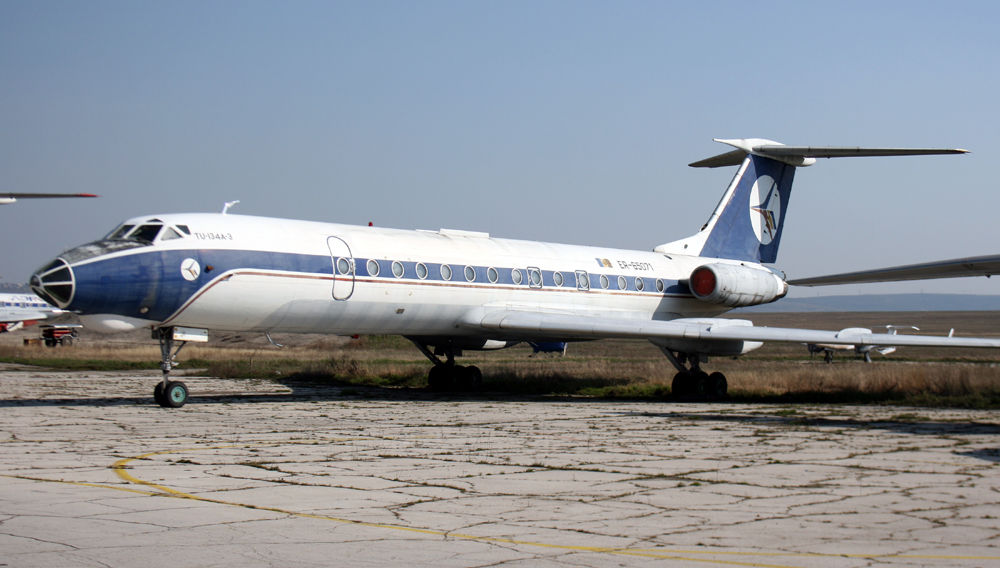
[
  {"x": 691, "y": 383},
  {"x": 169, "y": 394},
  {"x": 446, "y": 375}
]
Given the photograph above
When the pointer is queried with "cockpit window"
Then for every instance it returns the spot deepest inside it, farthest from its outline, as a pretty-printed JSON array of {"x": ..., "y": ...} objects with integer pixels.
[
  {"x": 169, "y": 234},
  {"x": 148, "y": 232},
  {"x": 120, "y": 232},
  {"x": 145, "y": 233}
]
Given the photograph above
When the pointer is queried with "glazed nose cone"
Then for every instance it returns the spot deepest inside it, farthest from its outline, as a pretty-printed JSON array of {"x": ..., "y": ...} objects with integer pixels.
[{"x": 55, "y": 283}]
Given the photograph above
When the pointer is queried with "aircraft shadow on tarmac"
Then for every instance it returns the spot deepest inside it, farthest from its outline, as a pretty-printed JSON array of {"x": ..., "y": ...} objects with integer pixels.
[
  {"x": 304, "y": 391},
  {"x": 915, "y": 427}
]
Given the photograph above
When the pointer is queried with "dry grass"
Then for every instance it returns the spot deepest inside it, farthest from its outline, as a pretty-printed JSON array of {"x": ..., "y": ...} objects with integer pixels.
[{"x": 615, "y": 368}]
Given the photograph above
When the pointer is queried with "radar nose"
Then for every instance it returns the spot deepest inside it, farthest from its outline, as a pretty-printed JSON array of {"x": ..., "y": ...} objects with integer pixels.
[{"x": 55, "y": 283}]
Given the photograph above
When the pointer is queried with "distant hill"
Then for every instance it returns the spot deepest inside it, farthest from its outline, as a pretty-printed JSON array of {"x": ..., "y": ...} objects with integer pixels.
[
  {"x": 882, "y": 303},
  {"x": 12, "y": 288}
]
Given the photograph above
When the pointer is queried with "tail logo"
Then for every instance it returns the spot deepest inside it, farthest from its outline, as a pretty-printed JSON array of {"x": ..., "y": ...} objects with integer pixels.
[{"x": 765, "y": 209}]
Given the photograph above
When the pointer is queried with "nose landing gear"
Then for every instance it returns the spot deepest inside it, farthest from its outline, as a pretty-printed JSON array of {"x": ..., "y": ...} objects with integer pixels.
[{"x": 169, "y": 394}]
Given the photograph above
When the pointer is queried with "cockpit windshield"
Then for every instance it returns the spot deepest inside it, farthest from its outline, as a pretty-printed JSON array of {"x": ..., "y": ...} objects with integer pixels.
[
  {"x": 128, "y": 236},
  {"x": 145, "y": 233},
  {"x": 148, "y": 232}
]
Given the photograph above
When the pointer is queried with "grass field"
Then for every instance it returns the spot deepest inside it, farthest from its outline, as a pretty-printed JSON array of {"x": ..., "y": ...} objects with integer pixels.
[{"x": 610, "y": 368}]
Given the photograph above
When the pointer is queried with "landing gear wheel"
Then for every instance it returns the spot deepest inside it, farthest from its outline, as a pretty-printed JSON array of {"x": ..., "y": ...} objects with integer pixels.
[
  {"x": 174, "y": 395},
  {"x": 158, "y": 394},
  {"x": 439, "y": 378},
  {"x": 716, "y": 387},
  {"x": 471, "y": 377},
  {"x": 683, "y": 385}
]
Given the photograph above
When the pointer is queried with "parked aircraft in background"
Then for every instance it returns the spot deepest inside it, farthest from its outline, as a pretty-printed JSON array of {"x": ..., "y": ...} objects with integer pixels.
[
  {"x": 827, "y": 349},
  {"x": 951, "y": 268},
  {"x": 8, "y": 198},
  {"x": 17, "y": 309},
  {"x": 449, "y": 291}
]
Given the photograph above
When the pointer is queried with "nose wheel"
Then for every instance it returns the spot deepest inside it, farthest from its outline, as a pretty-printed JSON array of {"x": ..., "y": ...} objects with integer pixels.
[{"x": 170, "y": 394}]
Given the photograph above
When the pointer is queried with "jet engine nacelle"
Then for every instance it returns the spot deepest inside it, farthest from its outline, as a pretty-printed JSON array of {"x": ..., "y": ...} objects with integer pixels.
[{"x": 736, "y": 285}]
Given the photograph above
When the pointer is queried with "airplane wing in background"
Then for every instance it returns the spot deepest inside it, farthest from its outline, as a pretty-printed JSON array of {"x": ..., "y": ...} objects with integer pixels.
[
  {"x": 952, "y": 268},
  {"x": 710, "y": 330},
  {"x": 6, "y": 198}
]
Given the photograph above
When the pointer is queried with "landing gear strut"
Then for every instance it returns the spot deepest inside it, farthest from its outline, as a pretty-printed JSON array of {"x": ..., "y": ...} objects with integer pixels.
[
  {"x": 169, "y": 394},
  {"x": 691, "y": 383},
  {"x": 446, "y": 375}
]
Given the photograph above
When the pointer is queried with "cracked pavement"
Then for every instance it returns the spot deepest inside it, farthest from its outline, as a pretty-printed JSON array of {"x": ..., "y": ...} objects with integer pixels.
[{"x": 257, "y": 473}]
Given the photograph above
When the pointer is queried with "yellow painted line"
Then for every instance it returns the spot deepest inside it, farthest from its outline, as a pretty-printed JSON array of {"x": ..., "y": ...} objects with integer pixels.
[
  {"x": 122, "y": 466},
  {"x": 83, "y": 484}
]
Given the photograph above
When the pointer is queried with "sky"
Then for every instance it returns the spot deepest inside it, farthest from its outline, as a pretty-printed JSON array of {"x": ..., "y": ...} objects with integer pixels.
[{"x": 564, "y": 121}]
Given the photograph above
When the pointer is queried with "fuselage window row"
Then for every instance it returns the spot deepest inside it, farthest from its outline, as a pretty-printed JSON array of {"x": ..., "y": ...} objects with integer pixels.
[{"x": 536, "y": 277}]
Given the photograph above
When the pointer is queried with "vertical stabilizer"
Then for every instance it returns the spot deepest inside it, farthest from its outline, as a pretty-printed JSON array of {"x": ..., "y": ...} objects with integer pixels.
[
  {"x": 750, "y": 223},
  {"x": 747, "y": 223}
]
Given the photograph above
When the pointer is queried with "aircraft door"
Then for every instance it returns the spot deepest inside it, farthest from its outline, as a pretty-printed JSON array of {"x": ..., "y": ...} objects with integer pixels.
[{"x": 343, "y": 268}]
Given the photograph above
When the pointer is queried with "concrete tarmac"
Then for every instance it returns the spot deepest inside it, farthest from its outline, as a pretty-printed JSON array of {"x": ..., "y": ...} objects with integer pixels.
[{"x": 255, "y": 473}]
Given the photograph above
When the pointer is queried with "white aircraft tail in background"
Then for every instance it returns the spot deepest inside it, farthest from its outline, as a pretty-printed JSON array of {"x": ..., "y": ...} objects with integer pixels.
[{"x": 449, "y": 291}]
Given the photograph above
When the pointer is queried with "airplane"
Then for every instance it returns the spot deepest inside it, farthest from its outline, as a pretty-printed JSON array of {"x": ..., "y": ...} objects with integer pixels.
[
  {"x": 827, "y": 349},
  {"x": 8, "y": 198},
  {"x": 951, "y": 268},
  {"x": 17, "y": 309},
  {"x": 450, "y": 291}
]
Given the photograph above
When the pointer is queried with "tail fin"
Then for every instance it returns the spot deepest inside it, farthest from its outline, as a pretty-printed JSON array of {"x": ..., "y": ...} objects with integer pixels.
[{"x": 747, "y": 223}]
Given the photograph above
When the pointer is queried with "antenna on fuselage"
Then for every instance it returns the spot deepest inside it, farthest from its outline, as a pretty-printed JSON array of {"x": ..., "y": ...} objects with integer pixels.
[{"x": 225, "y": 208}]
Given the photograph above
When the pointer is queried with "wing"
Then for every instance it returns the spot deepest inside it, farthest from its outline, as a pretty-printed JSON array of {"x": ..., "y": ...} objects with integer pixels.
[
  {"x": 43, "y": 195},
  {"x": 523, "y": 324},
  {"x": 21, "y": 315},
  {"x": 952, "y": 268},
  {"x": 8, "y": 198}
]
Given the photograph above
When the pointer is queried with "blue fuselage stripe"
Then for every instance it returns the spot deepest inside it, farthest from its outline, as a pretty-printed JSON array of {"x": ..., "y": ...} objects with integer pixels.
[{"x": 150, "y": 284}]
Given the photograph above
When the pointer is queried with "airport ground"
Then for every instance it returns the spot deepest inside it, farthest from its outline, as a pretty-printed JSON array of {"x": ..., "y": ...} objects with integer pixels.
[{"x": 301, "y": 473}]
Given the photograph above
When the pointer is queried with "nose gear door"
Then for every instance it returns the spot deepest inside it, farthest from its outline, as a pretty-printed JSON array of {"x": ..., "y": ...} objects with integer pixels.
[{"x": 343, "y": 268}]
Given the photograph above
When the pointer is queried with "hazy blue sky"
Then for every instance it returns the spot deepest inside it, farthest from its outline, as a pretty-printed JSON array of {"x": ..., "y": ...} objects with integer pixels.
[{"x": 552, "y": 120}]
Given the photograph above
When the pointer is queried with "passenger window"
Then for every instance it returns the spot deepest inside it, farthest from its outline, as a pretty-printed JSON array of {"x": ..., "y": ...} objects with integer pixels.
[
  {"x": 582, "y": 280},
  {"x": 517, "y": 276},
  {"x": 344, "y": 266},
  {"x": 659, "y": 285},
  {"x": 492, "y": 274},
  {"x": 557, "y": 277},
  {"x": 470, "y": 274},
  {"x": 604, "y": 281},
  {"x": 373, "y": 267},
  {"x": 534, "y": 277},
  {"x": 421, "y": 271},
  {"x": 397, "y": 269},
  {"x": 445, "y": 272},
  {"x": 622, "y": 283},
  {"x": 639, "y": 284}
]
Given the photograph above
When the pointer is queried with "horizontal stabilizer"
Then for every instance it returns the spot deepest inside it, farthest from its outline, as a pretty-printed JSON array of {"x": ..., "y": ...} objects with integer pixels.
[
  {"x": 953, "y": 268},
  {"x": 805, "y": 155}
]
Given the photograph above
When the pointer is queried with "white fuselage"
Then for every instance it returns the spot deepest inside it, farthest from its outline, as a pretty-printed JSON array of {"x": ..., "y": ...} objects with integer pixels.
[{"x": 238, "y": 273}]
